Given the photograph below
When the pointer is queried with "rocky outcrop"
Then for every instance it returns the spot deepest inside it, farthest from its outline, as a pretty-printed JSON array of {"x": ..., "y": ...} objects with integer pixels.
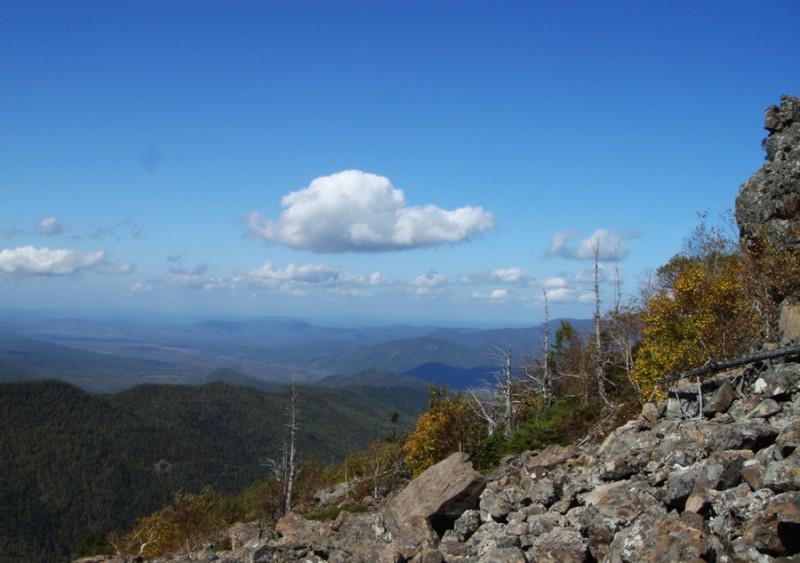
[
  {"x": 768, "y": 205},
  {"x": 680, "y": 483}
]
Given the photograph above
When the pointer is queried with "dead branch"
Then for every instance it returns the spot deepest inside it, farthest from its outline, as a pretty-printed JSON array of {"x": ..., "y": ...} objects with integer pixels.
[{"x": 716, "y": 367}]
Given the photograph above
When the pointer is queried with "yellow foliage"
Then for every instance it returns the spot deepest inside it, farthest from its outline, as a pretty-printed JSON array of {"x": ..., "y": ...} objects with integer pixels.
[
  {"x": 706, "y": 314},
  {"x": 183, "y": 525},
  {"x": 448, "y": 426}
]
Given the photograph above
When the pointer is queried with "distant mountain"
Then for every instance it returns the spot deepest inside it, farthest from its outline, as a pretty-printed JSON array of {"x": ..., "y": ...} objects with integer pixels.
[
  {"x": 75, "y": 466},
  {"x": 105, "y": 356},
  {"x": 454, "y": 377},
  {"x": 23, "y": 358},
  {"x": 522, "y": 341},
  {"x": 233, "y": 377},
  {"x": 372, "y": 378},
  {"x": 401, "y": 355}
]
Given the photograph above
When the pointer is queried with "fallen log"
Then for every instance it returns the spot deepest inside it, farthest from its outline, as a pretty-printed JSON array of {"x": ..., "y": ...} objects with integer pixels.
[{"x": 716, "y": 367}]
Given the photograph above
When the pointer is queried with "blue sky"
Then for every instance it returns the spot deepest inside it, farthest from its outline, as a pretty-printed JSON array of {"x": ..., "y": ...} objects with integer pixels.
[{"x": 147, "y": 149}]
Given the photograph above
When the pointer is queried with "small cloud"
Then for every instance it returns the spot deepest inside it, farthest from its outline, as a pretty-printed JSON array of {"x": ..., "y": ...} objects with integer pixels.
[
  {"x": 141, "y": 287},
  {"x": 355, "y": 211},
  {"x": 555, "y": 282},
  {"x": 512, "y": 275},
  {"x": 33, "y": 261},
  {"x": 121, "y": 267},
  {"x": 428, "y": 284},
  {"x": 499, "y": 295},
  {"x": 610, "y": 245},
  {"x": 51, "y": 226},
  {"x": 123, "y": 227}
]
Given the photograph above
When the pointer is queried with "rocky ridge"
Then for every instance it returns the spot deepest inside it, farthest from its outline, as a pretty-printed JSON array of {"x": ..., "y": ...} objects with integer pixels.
[{"x": 707, "y": 475}]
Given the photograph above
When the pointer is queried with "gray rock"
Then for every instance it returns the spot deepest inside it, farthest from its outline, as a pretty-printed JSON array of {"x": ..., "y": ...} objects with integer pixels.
[
  {"x": 765, "y": 409},
  {"x": 775, "y": 530},
  {"x": 651, "y": 412},
  {"x": 679, "y": 486},
  {"x": 503, "y": 555},
  {"x": 722, "y": 470},
  {"x": 778, "y": 381},
  {"x": 789, "y": 438},
  {"x": 559, "y": 545},
  {"x": 612, "y": 507},
  {"x": 749, "y": 434},
  {"x": 466, "y": 524},
  {"x": 428, "y": 555},
  {"x": 436, "y": 498},
  {"x": 753, "y": 473},
  {"x": 659, "y": 538},
  {"x": 494, "y": 506},
  {"x": 783, "y": 475},
  {"x": 721, "y": 400}
]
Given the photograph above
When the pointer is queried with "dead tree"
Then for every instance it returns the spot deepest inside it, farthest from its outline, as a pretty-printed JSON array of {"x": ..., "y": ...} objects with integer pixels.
[
  {"x": 285, "y": 470},
  {"x": 600, "y": 360},
  {"x": 545, "y": 381},
  {"x": 624, "y": 326},
  {"x": 497, "y": 404}
]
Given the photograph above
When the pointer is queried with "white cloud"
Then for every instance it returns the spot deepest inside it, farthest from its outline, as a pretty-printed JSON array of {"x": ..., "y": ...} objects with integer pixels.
[
  {"x": 611, "y": 245},
  {"x": 558, "y": 243},
  {"x": 499, "y": 295},
  {"x": 121, "y": 267},
  {"x": 354, "y": 211},
  {"x": 568, "y": 295},
  {"x": 294, "y": 279},
  {"x": 320, "y": 275},
  {"x": 501, "y": 275},
  {"x": 51, "y": 226},
  {"x": 555, "y": 282},
  {"x": 118, "y": 230},
  {"x": 141, "y": 287},
  {"x": 33, "y": 261},
  {"x": 428, "y": 284}
]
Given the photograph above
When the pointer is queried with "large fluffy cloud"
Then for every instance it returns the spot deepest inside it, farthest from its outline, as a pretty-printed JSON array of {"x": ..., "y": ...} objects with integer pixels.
[
  {"x": 33, "y": 261},
  {"x": 357, "y": 211},
  {"x": 611, "y": 245}
]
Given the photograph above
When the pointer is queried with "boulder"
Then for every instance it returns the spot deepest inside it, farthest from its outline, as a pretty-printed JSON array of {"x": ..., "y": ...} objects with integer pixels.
[
  {"x": 612, "y": 507},
  {"x": 680, "y": 484},
  {"x": 783, "y": 475},
  {"x": 789, "y": 323},
  {"x": 721, "y": 400},
  {"x": 775, "y": 530},
  {"x": 659, "y": 538},
  {"x": 744, "y": 434},
  {"x": 437, "y": 497},
  {"x": 789, "y": 438},
  {"x": 560, "y": 545}
]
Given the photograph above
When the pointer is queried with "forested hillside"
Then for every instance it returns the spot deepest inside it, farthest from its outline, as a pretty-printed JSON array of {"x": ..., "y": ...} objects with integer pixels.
[{"x": 78, "y": 465}]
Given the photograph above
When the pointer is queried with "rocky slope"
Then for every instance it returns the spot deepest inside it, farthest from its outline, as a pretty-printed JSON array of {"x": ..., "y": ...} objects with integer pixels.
[{"x": 711, "y": 479}]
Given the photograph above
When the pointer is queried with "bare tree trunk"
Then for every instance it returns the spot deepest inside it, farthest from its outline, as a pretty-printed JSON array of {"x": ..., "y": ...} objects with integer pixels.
[
  {"x": 600, "y": 375},
  {"x": 290, "y": 462},
  {"x": 507, "y": 391},
  {"x": 547, "y": 381}
]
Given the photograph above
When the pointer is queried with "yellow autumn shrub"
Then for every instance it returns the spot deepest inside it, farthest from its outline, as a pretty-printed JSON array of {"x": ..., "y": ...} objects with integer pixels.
[{"x": 704, "y": 313}]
